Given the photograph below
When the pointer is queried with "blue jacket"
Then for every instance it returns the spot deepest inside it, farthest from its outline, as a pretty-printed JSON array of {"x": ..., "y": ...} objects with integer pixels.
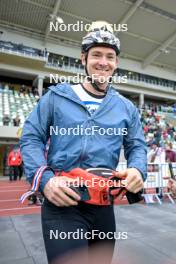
[{"x": 59, "y": 111}]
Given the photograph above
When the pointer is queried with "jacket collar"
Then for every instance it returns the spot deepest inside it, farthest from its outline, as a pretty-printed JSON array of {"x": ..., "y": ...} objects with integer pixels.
[{"x": 65, "y": 90}]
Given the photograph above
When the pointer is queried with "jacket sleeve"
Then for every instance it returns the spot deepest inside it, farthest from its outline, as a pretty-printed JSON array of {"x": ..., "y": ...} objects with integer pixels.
[
  {"x": 135, "y": 148},
  {"x": 34, "y": 138}
]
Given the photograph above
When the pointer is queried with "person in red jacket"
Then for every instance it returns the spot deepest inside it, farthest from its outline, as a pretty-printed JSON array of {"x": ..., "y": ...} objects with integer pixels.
[{"x": 15, "y": 163}]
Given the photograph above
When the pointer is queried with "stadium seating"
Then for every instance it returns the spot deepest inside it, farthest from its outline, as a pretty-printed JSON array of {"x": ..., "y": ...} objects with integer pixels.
[{"x": 15, "y": 103}]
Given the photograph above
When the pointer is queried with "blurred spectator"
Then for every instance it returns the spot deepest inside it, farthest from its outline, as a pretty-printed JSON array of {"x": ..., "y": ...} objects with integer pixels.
[
  {"x": 20, "y": 46},
  {"x": 16, "y": 121},
  {"x": 15, "y": 163},
  {"x": 22, "y": 88},
  {"x": 46, "y": 53},
  {"x": 156, "y": 154},
  {"x": 35, "y": 92},
  {"x": 172, "y": 187},
  {"x": 11, "y": 87},
  {"x": 170, "y": 154},
  {"x": 33, "y": 88},
  {"x": 172, "y": 181},
  {"x": 6, "y": 120},
  {"x": 158, "y": 134},
  {"x": 29, "y": 90},
  {"x": 40, "y": 53}
]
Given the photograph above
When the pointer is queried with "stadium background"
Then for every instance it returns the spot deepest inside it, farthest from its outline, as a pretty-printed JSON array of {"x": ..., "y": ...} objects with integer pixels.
[{"x": 30, "y": 52}]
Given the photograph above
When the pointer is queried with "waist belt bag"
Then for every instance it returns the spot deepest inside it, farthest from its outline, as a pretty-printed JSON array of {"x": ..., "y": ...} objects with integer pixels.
[{"x": 96, "y": 186}]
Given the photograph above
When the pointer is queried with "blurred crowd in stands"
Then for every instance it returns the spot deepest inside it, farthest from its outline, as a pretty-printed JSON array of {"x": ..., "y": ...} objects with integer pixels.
[
  {"x": 21, "y": 48},
  {"x": 160, "y": 134},
  {"x": 7, "y": 120},
  {"x": 22, "y": 89},
  {"x": 154, "y": 108}
]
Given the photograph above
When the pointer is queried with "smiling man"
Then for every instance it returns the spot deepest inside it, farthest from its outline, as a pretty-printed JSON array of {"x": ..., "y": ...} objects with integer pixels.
[
  {"x": 102, "y": 63},
  {"x": 91, "y": 104}
]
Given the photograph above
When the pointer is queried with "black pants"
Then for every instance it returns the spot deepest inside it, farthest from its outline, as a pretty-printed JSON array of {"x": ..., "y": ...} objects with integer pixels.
[
  {"x": 75, "y": 249},
  {"x": 16, "y": 171},
  {"x": 20, "y": 169}
]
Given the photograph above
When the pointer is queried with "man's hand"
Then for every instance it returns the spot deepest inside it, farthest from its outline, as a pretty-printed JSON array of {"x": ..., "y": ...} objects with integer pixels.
[
  {"x": 133, "y": 182},
  {"x": 57, "y": 191},
  {"x": 172, "y": 186}
]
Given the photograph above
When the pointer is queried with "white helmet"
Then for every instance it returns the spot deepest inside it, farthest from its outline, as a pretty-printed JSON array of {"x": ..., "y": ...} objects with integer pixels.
[{"x": 100, "y": 34}]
